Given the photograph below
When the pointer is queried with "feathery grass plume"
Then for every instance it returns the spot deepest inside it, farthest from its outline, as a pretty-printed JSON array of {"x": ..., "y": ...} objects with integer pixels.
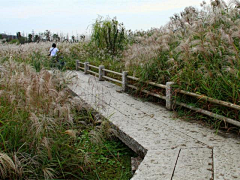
[
  {"x": 7, "y": 166},
  {"x": 46, "y": 144},
  {"x": 18, "y": 165},
  {"x": 107, "y": 130},
  {"x": 49, "y": 173},
  {"x": 87, "y": 159},
  {"x": 95, "y": 136},
  {"x": 71, "y": 133}
]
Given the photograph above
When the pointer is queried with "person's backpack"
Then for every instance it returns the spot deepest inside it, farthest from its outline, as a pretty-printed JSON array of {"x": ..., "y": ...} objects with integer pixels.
[{"x": 50, "y": 52}]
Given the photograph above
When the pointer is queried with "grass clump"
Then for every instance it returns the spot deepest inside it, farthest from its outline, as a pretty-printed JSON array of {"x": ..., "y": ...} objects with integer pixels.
[
  {"x": 45, "y": 133},
  {"x": 109, "y": 35},
  {"x": 198, "y": 50}
]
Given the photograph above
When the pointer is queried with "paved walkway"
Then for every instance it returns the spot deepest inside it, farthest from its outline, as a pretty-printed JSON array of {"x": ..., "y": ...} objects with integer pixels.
[{"x": 175, "y": 149}]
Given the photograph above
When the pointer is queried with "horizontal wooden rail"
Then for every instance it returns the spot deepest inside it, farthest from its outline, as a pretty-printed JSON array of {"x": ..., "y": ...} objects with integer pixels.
[
  {"x": 208, "y": 113},
  {"x": 133, "y": 78},
  {"x": 227, "y": 104},
  {"x": 148, "y": 82},
  {"x": 93, "y": 72},
  {"x": 111, "y": 79},
  {"x": 148, "y": 92},
  {"x": 107, "y": 70},
  {"x": 158, "y": 85},
  {"x": 169, "y": 92},
  {"x": 92, "y": 66}
]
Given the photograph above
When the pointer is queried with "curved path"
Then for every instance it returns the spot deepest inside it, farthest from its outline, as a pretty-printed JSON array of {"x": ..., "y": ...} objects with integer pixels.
[{"x": 173, "y": 148}]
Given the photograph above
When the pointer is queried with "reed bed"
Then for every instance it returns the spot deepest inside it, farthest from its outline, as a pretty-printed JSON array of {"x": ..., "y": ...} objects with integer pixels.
[
  {"x": 198, "y": 49},
  {"x": 47, "y": 134},
  {"x": 36, "y": 54}
]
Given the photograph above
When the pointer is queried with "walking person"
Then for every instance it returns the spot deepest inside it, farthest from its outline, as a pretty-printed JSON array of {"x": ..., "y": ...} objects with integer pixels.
[
  {"x": 53, "y": 50},
  {"x": 53, "y": 54}
]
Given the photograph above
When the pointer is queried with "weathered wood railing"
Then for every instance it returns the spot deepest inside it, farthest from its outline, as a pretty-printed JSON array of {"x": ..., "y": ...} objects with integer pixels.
[{"x": 168, "y": 87}]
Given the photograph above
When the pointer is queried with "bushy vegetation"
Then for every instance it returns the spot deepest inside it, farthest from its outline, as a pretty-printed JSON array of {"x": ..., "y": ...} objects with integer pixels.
[
  {"x": 46, "y": 133},
  {"x": 109, "y": 35},
  {"x": 197, "y": 49},
  {"x": 14, "y": 41}
]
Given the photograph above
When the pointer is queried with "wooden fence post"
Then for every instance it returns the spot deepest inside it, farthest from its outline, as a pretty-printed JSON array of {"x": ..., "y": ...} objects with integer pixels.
[
  {"x": 77, "y": 65},
  {"x": 101, "y": 73},
  {"x": 124, "y": 80},
  {"x": 86, "y": 67},
  {"x": 169, "y": 93}
]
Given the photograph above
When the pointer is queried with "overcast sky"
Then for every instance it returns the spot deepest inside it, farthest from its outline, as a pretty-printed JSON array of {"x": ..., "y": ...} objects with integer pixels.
[{"x": 76, "y": 16}]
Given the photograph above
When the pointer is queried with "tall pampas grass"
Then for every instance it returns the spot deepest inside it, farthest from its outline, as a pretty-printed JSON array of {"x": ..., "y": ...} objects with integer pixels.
[
  {"x": 46, "y": 105},
  {"x": 46, "y": 133},
  {"x": 198, "y": 49}
]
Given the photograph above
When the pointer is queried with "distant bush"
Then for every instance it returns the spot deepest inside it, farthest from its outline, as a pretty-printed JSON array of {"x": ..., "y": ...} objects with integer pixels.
[
  {"x": 109, "y": 35},
  {"x": 14, "y": 41}
]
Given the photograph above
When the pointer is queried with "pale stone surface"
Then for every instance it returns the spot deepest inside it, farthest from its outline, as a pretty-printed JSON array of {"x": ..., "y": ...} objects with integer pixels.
[
  {"x": 194, "y": 164},
  {"x": 157, "y": 165},
  {"x": 226, "y": 163},
  {"x": 151, "y": 129}
]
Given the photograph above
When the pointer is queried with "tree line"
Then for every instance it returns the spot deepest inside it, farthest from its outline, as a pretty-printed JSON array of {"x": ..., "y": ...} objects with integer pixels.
[{"x": 46, "y": 36}]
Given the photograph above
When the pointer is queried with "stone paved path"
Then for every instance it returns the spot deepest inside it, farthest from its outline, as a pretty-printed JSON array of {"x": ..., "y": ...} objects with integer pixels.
[{"x": 175, "y": 149}]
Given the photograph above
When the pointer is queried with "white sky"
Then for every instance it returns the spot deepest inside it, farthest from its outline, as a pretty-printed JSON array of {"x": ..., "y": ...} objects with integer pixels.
[{"x": 76, "y": 16}]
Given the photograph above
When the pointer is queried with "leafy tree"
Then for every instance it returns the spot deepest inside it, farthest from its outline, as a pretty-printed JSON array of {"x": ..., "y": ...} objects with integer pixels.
[
  {"x": 36, "y": 38},
  {"x": 109, "y": 34},
  {"x": 20, "y": 38},
  {"x": 82, "y": 37},
  {"x": 73, "y": 38},
  {"x": 56, "y": 37},
  {"x": 19, "y": 35},
  {"x": 47, "y": 35},
  {"x": 1, "y": 36},
  {"x": 30, "y": 38}
]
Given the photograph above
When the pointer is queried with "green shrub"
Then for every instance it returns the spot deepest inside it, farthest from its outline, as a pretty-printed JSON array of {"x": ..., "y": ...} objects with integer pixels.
[
  {"x": 109, "y": 35},
  {"x": 14, "y": 41}
]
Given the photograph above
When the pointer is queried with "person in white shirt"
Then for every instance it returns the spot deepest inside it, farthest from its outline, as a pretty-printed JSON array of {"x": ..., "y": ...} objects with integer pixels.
[
  {"x": 53, "y": 50},
  {"x": 54, "y": 56}
]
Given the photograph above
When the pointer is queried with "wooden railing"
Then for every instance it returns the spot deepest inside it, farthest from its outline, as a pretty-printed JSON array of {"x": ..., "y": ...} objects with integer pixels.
[{"x": 169, "y": 98}]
